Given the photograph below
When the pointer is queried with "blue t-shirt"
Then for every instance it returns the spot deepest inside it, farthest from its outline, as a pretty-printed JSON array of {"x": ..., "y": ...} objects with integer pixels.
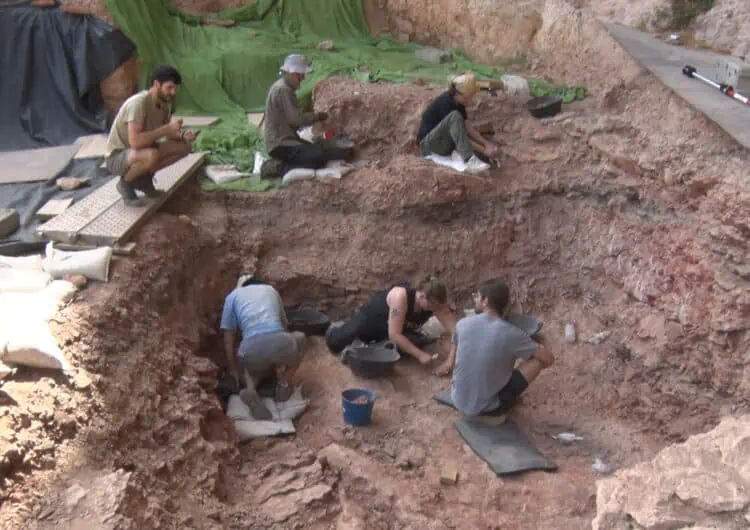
[{"x": 253, "y": 310}]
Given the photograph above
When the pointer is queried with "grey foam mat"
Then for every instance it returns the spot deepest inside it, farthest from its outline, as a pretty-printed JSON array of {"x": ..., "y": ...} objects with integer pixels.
[
  {"x": 444, "y": 397},
  {"x": 504, "y": 447}
]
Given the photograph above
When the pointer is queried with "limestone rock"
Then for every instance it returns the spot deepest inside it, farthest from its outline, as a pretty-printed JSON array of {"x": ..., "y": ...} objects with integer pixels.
[{"x": 704, "y": 482}]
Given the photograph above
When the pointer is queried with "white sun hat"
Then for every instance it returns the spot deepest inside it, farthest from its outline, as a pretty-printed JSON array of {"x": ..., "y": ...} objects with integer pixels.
[{"x": 295, "y": 64}]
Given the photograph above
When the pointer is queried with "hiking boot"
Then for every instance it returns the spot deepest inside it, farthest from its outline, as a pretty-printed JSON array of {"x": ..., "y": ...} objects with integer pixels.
[
  {"x": 255, "y": 403},
  {"x": 271, "y": 169},
  {"x": 127, "y": 192},
  {"x": 145, "y": 183}
]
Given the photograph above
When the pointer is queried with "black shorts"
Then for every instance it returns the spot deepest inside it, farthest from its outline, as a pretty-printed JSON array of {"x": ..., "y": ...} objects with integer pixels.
[{"x": 509, "y": 393}]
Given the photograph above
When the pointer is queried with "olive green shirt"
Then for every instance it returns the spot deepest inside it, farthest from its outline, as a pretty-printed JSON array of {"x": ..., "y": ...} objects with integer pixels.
[
  {"x": 139, "y": 108},
  {"x": 283, "y": 116}
]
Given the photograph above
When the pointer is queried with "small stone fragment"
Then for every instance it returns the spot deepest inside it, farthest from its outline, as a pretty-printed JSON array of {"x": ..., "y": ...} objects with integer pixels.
[
  {"x": 76, "y": 279},
  {"x": 449, "y": 475}
]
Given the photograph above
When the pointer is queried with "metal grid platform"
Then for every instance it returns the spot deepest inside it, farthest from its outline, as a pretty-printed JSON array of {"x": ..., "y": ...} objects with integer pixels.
[{"x": 101, "y": 218}]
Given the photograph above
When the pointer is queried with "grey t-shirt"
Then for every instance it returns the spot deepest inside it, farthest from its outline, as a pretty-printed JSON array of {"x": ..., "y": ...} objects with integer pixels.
[
  {"x": 283, "y": 117},
  {"x": 485, "y": 357}
]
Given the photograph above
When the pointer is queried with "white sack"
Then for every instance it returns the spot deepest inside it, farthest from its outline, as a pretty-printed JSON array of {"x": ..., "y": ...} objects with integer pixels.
[
  {"x": 298, "y": 175},
  {"x": 433, "y": 329},
  {"x": 93, "y": 264},
  {"x": 455, "y": 161},
  {"x": 33, "y": 263},
  {"x": 31, "y": 344},
  {"x": 282, "y": 413},
  {"x": 259, "y": 159},
  {"x": 515, "y": 85},
  {"x": 22, "y": 280},
  {"x": 223, "y": 173}
]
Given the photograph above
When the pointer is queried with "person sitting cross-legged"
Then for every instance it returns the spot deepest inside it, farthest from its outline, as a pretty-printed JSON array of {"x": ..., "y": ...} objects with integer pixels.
[
  {"x": 445, "y": 127},
  {"x": 484, "y": 354},
  {"x": 142, "y": 140}
]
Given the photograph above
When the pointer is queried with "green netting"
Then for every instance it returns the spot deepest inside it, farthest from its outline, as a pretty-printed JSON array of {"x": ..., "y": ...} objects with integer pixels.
[{"x": 227, "y": 71}]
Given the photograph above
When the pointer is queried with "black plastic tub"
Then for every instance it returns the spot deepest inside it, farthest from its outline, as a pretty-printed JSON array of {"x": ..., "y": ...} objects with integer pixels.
[
  {"x": 373, "y": 360},
  {"x": 309, "y": 321},
  {"x": 545, "y": 106}
]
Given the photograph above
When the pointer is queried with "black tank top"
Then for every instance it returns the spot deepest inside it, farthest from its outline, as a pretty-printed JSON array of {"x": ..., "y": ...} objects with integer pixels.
[{"x": 376, "y": 311}]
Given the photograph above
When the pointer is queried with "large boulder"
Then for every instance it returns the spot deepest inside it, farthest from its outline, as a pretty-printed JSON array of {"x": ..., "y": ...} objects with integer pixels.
[{"x": 702, "y": 483}]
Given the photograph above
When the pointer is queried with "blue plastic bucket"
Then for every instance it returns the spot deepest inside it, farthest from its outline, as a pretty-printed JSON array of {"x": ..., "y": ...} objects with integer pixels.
[{"x": 356, "y": 413}]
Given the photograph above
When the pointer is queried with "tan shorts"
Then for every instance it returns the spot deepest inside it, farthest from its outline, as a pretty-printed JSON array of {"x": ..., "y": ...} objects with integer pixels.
[{"x": 117, "y": 162}]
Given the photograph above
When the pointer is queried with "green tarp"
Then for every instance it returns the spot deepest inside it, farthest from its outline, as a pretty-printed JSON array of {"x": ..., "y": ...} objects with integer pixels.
[{"x": 227, "y": 71}]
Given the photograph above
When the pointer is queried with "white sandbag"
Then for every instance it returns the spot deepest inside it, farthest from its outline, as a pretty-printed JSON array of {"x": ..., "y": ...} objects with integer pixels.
[
  {"x": 61, "y": 292},
  {"x": 258, "y": 163},
  {"x": 335, "y": 169},
  {"x": 248, "y": 430},
  {"x": 31, "y": 344},
  {"x": 22, "y": 280},
  {"x": 515, "y": 85},
  {"x": 307, "y": 134},
  {"x": 298, "y": 175},
  {"x": 32, "y": 263},
  {"x": 223, "y": 173},
  {"x": 433, "y": 329},
  {"x": 5, "y": 370},
  {"x": 38, "y": 306},
  {"x": 455, "y": 161},
  {"x": 282, "y": 414},
  {"x": 93, "y": 264}
]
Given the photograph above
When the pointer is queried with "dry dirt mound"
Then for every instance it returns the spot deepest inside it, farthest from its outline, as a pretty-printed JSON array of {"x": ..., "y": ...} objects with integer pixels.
[{"x": 704, "y": 483}]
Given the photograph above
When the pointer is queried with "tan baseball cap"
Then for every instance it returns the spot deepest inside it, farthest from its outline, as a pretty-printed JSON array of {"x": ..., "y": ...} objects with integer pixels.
[{"x": 465, "y": 84}]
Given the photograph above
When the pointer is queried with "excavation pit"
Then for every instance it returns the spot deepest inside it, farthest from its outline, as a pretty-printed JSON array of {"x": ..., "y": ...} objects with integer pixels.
[{"x": 577, "y": 223}]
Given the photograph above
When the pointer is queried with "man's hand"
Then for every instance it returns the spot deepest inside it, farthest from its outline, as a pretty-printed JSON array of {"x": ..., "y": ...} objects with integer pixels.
[
  {"x": 190, "y": 136},
  {"x": 175, "y": 127},
  {"x": 444, "y": 369},
  {"x": 321, "y": 116}
]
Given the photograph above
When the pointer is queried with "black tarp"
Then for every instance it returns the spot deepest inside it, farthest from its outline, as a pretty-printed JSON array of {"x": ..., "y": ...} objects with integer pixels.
[{"x": 52, "y": 64}]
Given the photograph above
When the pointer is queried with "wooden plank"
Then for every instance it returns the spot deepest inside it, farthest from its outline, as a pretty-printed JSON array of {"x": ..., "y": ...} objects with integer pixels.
[
  {"x": 53, "y": 207},
  {"x": 120, "y": 250},
  {"x": 65, "y": 227},
  {"x": 35, "y": 165},
  {"x": 120, "y": 222},
  {"x": 196, "y": 121},
  {"x": 255, "y": 118},
  {"x": 92, "y": 146}
]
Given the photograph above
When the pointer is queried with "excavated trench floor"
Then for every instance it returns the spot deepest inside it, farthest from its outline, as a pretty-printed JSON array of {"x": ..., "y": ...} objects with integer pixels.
[{"x": 136, "y": 437}]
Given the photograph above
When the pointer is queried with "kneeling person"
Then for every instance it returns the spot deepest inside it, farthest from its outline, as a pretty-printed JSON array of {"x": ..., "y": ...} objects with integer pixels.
[
  {"x": 485, "y": 350},
  {"x": 142, "y": 140},
  {"x": 254, "y": 311},
  {"x": 395, "y": 313}
]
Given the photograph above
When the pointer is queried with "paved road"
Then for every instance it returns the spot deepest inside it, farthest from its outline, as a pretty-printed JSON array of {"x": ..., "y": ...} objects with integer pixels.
[{"x": 665, "y": 61}]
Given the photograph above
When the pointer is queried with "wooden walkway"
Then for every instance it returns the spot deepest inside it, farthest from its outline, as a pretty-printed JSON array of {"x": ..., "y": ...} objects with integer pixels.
[{"x": 102, "y": 219}]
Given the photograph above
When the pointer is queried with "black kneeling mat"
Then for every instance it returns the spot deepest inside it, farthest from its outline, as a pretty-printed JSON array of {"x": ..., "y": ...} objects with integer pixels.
[{"x": 504, "y": 447}]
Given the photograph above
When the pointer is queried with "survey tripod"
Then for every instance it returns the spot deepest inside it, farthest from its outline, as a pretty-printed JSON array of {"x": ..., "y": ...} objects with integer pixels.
[{"x": 691, "y": 72}]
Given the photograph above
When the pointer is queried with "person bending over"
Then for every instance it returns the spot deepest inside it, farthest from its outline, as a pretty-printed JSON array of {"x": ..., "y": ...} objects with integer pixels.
[
  {"x": 142, "y": 140},
  {"x": 445, "y": 126},
  {"x": 254, "y": 312},
  {"x": 396, "y": 313},
  {"x": 485, "y": 350}
]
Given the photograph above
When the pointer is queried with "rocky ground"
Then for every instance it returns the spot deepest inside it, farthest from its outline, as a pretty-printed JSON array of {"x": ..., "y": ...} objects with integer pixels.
[{"x": 605, "y": 214}]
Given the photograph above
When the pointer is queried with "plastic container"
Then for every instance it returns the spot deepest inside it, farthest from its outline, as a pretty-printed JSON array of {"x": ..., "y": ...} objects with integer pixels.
[
  {"x": 570, "y": 332},
  {"x": 357, "y": 414}
]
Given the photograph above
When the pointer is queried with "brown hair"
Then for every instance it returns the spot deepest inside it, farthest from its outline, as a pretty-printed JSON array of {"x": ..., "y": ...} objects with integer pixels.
[
  {"x": 497, "y": 294},
  {"x": 433, "y": 289}
]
